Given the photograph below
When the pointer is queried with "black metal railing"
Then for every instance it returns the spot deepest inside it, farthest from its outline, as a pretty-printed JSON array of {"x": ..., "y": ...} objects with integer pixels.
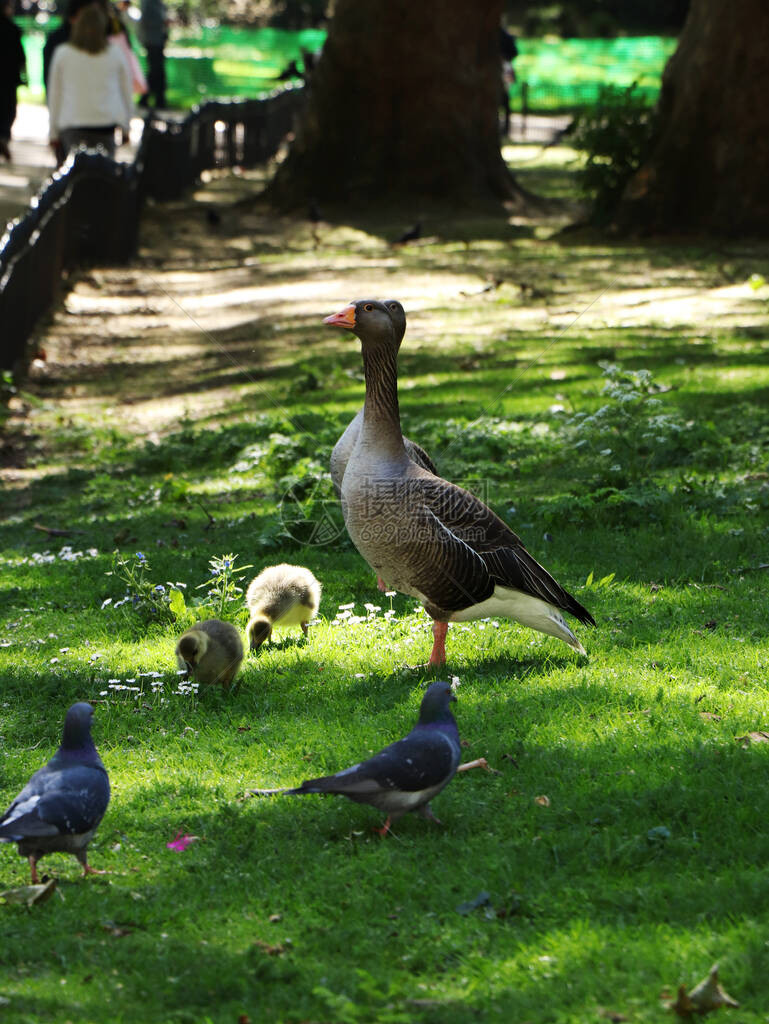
[{"x": 89, "y": 211}]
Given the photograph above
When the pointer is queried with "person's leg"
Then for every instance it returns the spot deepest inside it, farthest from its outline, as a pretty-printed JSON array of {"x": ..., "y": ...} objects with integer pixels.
[
  {"x": 156, "y": 74},
  {"x": 71, "y": 138},
  {"x": 68, "y": 139},
  {"x": 161, "y": 77},
  {"x": 7, "y": 117}
]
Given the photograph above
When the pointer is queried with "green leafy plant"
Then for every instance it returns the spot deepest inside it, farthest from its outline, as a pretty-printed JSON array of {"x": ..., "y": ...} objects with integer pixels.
[
  {"x": 591, "y": 583},
  {"x": 223, "y": 590},
  {"x": 150, "y": 600},
  {"x": 615, "y": 135},
  {"x": 631, "y": 431},
  {"x": 7, "y": 390}
]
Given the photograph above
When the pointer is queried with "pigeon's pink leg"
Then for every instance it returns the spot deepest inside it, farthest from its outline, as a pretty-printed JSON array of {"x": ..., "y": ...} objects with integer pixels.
[
  {"x": 438, "y": 653},
  {"x": 381, "y": 584},
  {"x": 305, "y": 628},
  {"x": 87, "y": 869},
  {"x": 33, "y": 869},
  {"x": 384, "y": 829}
]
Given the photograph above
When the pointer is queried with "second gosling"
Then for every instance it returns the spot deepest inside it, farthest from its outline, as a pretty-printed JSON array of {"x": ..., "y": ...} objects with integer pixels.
[
  {"x": 211, "y": 651},
  {"x": 281, "y": 595}
]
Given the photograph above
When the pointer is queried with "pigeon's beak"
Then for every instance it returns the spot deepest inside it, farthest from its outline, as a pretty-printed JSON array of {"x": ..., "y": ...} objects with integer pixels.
[{"x": 344, "y": 318}]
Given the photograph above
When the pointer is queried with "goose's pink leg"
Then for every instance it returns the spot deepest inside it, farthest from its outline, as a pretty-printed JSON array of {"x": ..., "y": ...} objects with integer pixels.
[{"x": 438, "y": 653}]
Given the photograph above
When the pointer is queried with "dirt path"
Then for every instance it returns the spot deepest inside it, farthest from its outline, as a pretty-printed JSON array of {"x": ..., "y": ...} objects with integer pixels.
[
  {"x": 214, "y": 317},
  {"x": 219, "y": 299}
]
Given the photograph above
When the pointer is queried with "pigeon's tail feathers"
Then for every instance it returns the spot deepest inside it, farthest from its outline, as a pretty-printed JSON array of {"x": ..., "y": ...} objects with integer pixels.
[
  {"x": 26, "y": 826},
  {"x": 309, "y": 786},
  {"x": 352, "y": 782}
]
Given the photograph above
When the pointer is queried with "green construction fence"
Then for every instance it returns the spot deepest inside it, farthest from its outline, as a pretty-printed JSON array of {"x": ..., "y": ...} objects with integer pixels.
[{"x": 228, "y": 61}]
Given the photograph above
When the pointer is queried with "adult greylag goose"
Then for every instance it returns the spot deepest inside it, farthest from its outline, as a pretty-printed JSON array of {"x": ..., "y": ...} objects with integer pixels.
[
  {"x": 344, "y": 447},
  {"x": 427, "y": 537}
]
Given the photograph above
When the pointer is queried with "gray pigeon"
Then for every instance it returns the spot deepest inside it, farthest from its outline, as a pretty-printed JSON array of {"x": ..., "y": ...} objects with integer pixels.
[
  {"x": 406, "y": 775},
  {"x": 62, "y": 804}
]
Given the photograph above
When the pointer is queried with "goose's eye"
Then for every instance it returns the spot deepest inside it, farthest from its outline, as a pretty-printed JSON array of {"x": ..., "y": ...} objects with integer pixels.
[{"x": 368, "y": 307}]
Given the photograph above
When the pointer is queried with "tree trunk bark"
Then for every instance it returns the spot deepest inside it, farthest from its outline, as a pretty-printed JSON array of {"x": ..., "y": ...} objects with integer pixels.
[
  {"x": 709, "y": 163},
  {"x": 404, "y": 101}
]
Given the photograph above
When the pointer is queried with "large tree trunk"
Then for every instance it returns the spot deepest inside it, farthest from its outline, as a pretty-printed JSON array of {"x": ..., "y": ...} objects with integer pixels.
[
  {"x": 403, "y": 102},
  {"x": 709, "y": 164}
]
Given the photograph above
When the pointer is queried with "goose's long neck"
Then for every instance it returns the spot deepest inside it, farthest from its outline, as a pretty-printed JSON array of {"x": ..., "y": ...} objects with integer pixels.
[{"x": 381, "y": 416}]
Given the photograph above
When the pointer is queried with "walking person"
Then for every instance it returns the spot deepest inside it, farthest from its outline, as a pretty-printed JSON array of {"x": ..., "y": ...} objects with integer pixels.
[
  {"x": 61, "y": 34},
  {"x": 12, "y": 72},
  {"x": 89, "y": 87},
  {"x": 508, "y": 49},
  {"x": 123, "y": 40},
  {"x": 153, "y": 35}
]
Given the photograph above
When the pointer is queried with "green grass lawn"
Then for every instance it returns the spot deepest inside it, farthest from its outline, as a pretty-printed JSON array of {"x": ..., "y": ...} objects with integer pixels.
[{"x": 186, "y": 409}]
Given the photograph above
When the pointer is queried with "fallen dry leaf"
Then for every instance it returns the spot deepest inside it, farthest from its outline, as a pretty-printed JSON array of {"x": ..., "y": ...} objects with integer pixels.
[
  {"x": 479, "y": 762},
  {"x": 752, "y": 737},
  {"x": 543, "y": 801},
  {"x": 271, "y": 950},
  {"x": 29, "y": 894},
  {"x": 707, "y": 996},
  {"x": 709, "y": 716},
  {"x": 117, "y": 931}
]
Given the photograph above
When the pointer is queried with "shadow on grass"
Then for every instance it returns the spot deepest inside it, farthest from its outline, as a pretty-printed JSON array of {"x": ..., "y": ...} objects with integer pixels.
[{"x": 642, "y": 849}]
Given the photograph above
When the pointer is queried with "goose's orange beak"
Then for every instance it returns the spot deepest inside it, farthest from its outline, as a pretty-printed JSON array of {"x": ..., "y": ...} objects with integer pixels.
[{"x": 344, "y": 318}]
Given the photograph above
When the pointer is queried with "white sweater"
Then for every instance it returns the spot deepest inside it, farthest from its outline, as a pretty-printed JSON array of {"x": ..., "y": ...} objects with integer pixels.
[{"x": 88, "y": 90}]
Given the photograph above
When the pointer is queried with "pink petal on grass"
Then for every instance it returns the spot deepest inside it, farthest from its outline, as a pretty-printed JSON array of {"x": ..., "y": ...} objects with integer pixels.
[{"x": 181, "y": 842}]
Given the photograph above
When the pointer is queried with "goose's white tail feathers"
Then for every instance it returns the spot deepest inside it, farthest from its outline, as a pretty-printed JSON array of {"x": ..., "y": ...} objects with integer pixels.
[{"x": 529, "y": 611}]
